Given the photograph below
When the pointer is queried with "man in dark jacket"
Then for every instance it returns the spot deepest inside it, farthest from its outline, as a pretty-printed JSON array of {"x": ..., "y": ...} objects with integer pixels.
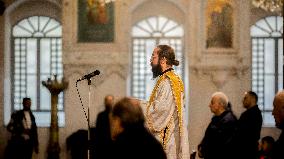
[
  {"x": 131, "y": 138},
  {"x": 218, "y": 141},
  {"x": 102, "y": 138},
  {"x": 24, "y": 139},
  {"x": 278, "y": 113},
  {"x": 249, "y": 126}
]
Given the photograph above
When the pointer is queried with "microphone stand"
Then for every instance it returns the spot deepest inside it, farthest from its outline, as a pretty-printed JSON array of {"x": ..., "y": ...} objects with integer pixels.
[
  {"x": 87, "y": 115},
  {"x": 88, "y": 119}
]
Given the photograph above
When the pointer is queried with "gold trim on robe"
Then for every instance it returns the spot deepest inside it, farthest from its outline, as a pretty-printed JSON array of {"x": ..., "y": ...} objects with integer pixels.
[{"x": 177, "y": 90}]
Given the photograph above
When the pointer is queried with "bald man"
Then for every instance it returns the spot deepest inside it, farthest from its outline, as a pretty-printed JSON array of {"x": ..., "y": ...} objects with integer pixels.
[
  {"x": 278, "y": 113},
  {"x": 218, "y": 141}
]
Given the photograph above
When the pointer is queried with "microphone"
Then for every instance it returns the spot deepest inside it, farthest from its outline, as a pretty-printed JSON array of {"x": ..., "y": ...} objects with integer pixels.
[{"x": 90, "y": 75}]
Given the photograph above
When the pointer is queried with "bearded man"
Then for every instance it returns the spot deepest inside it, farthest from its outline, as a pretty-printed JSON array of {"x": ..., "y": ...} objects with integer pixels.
[{"x": 165, "y": 109}]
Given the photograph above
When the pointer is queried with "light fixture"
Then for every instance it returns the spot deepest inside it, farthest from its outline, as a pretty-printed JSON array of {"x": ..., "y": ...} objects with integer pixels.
[{"x": 269, "y": 5}]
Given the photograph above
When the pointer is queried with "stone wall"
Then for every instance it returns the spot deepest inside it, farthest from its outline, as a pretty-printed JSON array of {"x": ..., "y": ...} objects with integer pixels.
[{"x": 207, "y": 70}]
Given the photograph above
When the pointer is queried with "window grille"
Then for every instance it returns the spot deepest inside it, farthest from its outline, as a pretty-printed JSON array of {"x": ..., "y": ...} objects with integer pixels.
[
  {"x": 36, "y": 56},
  {"x": 267, "y": 63},
  {"x": 146, "y": 34}
]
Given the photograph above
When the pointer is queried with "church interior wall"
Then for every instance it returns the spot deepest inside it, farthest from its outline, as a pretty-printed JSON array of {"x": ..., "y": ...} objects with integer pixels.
[{"x": 226, "y": 70}]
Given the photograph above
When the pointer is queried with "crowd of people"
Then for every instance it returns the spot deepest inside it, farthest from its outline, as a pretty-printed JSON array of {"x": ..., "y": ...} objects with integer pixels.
[
  {"x": 156, "y": 129},
  {"x": 226, "y": 137}
]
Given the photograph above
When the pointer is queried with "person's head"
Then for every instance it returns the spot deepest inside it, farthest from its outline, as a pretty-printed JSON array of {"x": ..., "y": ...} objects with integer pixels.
[
  {"x": 163, "y": 57},
  {"x": 2, "y": 7},
  {"x": 126, "y": 114},
  {"x": 109, "y": 101},
  {"x": 250, "y": 99},
  {"x": 27, "y": 102},
  {"x": 266, "y": 144},
  {"x": 219, "y": 103},
  {"x": 278, "y": 109}
]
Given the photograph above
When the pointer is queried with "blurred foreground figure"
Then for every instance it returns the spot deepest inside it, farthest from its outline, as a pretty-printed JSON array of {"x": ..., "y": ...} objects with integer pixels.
[
  {"x": 278, "y": 113},
  {"x": 131, "y": 138},
  {"x": 102, "y": 138}
]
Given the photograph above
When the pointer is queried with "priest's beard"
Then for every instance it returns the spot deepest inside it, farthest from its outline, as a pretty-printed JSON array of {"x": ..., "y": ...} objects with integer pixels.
[{"x": 156, "y": 70}]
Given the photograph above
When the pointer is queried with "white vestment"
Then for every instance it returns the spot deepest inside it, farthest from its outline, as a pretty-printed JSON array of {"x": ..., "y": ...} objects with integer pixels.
[{"x": 163, "y": 113}]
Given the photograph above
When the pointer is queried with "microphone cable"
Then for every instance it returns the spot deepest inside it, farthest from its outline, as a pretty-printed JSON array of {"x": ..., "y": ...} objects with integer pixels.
[{"x": 81, "y": 101}]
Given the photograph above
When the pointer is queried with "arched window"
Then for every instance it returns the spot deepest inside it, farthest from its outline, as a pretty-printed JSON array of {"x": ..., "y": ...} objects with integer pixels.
[
  {"x": 146, "y": 34},
  {"x": 267, "y": 62},
  {"x": 36, "y": 45}
]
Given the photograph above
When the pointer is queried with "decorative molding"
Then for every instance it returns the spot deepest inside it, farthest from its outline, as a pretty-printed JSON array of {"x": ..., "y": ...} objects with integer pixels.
[
  {"x": 106, "y": 71},
  {"x": 98, "y": 58},
  {"x": 16, "y": 4},
  {"x": 217, "y": 51},
  {"x": 220, "y": 74},
  {"x": 136, "y": 4},
  {"x": 109, "y": 70}
]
